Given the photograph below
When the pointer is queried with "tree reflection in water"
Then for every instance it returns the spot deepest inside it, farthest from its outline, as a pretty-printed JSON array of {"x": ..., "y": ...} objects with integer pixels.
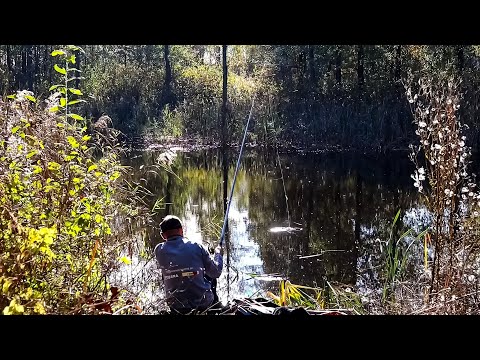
[{"x": 339, "y": 204}]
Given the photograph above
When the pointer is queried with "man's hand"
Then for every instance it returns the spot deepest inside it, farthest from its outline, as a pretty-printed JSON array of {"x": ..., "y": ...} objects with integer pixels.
[{"x": 219, "y": 250}]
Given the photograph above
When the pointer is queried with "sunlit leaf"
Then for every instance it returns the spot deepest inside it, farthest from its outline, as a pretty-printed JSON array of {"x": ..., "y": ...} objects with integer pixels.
[
  {"x": 53, "y": 87},
  {"x": 75, "y": 91},
  {"x": 60, "y": 70},
  {"x": 52, "y": 165},
  {"x": 73, "y": 142},
  {"x": 31, "y": 98},
  {"x": 39, "y": 309},
  {"x": 31, "y": 153},
  {"x": 76, "y": 116},
  {"x": 58, "y": 52},
  {"x": 125, "y": 260},
  {"x": 75, "y": 101},
  {"x": 6, "y": 284}
]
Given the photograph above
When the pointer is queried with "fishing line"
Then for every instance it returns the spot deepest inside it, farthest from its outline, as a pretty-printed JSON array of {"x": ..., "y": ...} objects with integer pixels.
[
  {"x": 289, "y": 228},
  {"x": 236, "y": 172},
  {"x": 283, "y": 184}
]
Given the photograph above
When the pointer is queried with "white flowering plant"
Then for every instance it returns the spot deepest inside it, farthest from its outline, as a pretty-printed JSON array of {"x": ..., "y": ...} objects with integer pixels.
[{"x": 441, "y": 159}]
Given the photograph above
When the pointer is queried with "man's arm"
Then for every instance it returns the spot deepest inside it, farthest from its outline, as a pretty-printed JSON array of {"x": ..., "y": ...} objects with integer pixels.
[{"x": 213, "y": 267}]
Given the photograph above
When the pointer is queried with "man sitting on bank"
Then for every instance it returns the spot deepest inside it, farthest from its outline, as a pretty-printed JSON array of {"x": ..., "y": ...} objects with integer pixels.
[{"x": 187, "y": 268}]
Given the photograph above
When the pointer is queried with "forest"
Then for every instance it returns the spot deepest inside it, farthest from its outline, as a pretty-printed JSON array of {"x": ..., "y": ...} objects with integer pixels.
[
  {"x": 68, "y": 112},
  {"x": 309, "y": 96}
]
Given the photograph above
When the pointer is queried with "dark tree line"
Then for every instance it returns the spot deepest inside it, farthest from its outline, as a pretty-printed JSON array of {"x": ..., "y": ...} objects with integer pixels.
[{"x": 310, "y": 96}]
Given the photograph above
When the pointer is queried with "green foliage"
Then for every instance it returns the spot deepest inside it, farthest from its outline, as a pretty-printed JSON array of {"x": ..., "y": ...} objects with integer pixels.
[
  {"x": 172, "y": 124},
  {"x": 57, "y": 203},
  {"x": 169, "y": 125},
  {"x": 314, "y": 93},
  {"x": 395, "y": 256},
  {"x": 130, "y": 94},
  {"x": 201, "y": 86}
]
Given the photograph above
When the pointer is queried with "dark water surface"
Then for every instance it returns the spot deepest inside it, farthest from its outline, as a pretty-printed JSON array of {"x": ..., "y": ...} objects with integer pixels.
[{"x": 338, "y": 204}]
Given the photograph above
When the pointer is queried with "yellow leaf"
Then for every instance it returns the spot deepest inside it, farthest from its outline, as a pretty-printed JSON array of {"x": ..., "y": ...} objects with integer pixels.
[
  {"x": 125, "y": 260},
  {"x": 6, "y": 285},
  {"x": 39, "y": 308},
  {"x": 13, "y": 308},
  {"x": 28, "y": 294},
  {"x": 7, "y": 311},
  {"x": 19, "y": 308}
]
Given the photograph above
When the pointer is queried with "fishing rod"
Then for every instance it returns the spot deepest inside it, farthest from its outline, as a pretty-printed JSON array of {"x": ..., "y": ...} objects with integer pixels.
[{"x": 225, "y": 220}]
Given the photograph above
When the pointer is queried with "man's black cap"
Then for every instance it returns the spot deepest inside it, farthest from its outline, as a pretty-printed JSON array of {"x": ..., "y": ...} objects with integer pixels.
[{"x": 170, "y": 222}]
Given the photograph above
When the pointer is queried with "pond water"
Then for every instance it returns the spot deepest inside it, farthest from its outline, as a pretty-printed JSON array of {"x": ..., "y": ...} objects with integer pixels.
[{"x": 310, "y": 218}]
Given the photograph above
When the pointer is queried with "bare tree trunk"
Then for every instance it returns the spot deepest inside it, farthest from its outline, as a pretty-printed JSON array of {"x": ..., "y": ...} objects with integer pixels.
[
  {"x": 9, "y": 59},
  {"x": 338, "y": 66},
  {"x": 10, "y": 68},
  {"x": 311, "y": 63},
  {"x": 224, "y": 97},
  {"x": 29, "y": 67},
  {"x": 360, "y": 67},
  {"x": 50, "y": 71},
  {"x": 22, "y": 80},
  {"x": 460, "y": 58},
  {"x": 36, "y": 63},
  {"x": 168, "y": 95},
  {"x": 46, "y": 61},
  {"x": 398, "y": 63},
  {"x": 78, "y": 65}
]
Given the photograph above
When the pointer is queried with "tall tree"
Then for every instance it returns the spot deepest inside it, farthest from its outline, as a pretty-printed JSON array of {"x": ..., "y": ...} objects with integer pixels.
[
  {"x": 9, "y": 67},
  {"x": 29, "y": 67},
  {"x": 168, "y": 95},
  {"x": 398, "y": 62},
  {"x": 23, "y": 77},
  {"x": 311, "y": 62},
  {"x": 224, "y": 97},
  {"x": 338, "y": 66},
  {"x": 79, "y": 67},
  {"x": 360, "y": 67}
]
